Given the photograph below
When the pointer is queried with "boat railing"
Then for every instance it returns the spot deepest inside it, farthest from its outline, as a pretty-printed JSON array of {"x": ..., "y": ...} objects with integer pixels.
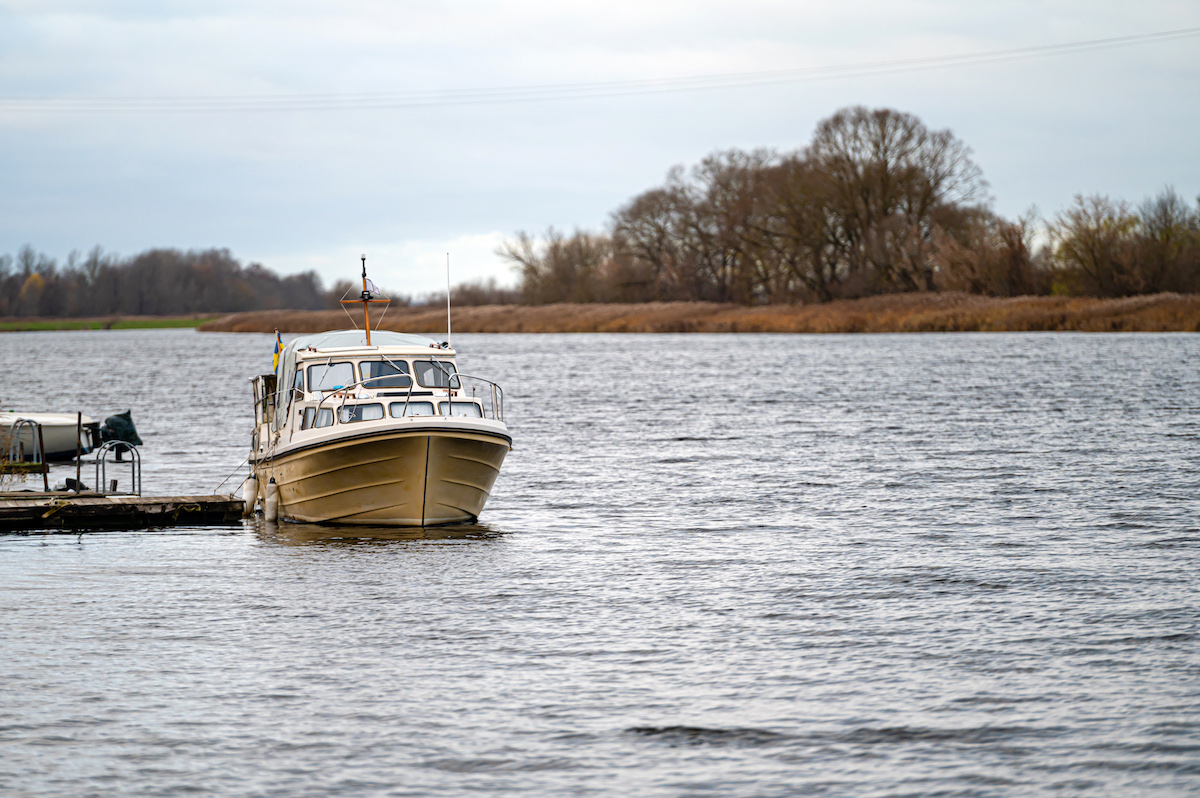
[{"x": 489, "y": 394}]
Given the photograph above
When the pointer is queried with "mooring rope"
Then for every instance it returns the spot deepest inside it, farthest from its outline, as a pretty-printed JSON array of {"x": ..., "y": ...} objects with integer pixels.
[{"x": 231, "y": 473}]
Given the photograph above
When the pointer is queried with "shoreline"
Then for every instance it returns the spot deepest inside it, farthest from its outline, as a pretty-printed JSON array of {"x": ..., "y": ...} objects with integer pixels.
[
  {"x": 918, "y": 312},
  {"x": 53, "y": 323}
]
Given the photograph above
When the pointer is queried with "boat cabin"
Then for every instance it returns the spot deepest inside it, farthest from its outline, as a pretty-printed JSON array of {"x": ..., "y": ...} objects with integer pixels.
[{"x": 333, "y": 379}]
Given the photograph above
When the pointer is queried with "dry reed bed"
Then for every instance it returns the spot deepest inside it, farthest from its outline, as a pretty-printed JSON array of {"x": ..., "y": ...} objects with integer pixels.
[{"x": 925, "y": 312}]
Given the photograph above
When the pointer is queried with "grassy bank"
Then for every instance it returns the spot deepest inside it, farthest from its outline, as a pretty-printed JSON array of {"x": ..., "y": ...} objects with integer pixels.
[
  {"x": 107, "y": 323},
  {"x": 942, "y": 312}
]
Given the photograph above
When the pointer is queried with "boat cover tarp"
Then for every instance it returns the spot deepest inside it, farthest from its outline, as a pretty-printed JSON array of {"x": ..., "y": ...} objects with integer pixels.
[
  {"x": 347, "y": 339},
  {"x": 120, "y": 428}
]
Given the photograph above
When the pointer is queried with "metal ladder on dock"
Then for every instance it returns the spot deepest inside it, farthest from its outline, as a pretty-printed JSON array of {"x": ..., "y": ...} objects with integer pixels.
[
  {"x": 135, "y": 468},
  {"x": 16, "y": 451}
]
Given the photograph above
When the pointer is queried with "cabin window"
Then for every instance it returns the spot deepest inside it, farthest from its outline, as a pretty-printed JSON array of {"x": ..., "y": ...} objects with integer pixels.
[
  {"x": 469, "y": 409},
  {"x": 307, "y": 420},
  {"x": 348, "y": 414},
  {"x": 330, "y": 376},
  {"x": 414, "y": 409},
  {"x": 390, "y": 374},
  {"x": 435, "y": 373},
  {"x": 324, "y": 417}
]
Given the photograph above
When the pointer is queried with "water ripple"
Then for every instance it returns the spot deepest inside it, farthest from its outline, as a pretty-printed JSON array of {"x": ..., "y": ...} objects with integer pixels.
[{"x": 845, "y": 565}]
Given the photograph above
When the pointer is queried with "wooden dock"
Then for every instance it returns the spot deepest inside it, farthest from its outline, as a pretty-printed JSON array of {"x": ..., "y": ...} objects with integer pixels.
[{"x": 28, "y": 511}]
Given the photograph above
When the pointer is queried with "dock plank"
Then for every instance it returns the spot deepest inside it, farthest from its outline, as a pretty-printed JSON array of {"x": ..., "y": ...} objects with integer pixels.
[{"x": 28, "y": 511}]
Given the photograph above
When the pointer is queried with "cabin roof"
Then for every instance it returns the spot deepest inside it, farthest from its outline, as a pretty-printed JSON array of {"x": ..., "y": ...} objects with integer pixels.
[{"x": 357, "y": 339}]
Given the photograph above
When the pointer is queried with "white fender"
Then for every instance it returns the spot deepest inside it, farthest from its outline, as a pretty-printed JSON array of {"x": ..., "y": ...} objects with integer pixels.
[
  {"x": 271, "y": 505},
  {"x": 249, "y": 496}
]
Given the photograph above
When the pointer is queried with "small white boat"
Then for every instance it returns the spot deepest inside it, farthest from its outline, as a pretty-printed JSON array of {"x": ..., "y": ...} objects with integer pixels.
[
  {"x": 374, "y": 427},
  {"x": 58, "y": 434}
]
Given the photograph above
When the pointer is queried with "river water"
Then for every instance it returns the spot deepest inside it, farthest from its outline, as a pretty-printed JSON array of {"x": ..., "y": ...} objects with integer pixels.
[{"x": 758, "y": 565}]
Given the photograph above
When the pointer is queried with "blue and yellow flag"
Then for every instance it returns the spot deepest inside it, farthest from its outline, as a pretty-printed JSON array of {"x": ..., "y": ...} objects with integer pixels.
[{"x": 278, "y": 349}]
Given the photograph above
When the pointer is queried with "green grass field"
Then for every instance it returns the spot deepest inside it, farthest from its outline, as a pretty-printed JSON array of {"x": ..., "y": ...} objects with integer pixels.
[{"x": 139, "y": 323}]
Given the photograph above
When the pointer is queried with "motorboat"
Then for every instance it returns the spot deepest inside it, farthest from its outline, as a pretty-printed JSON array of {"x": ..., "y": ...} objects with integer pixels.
[
  {"x": 375, "y": 427},
  {"x": 63, "y": 434}
]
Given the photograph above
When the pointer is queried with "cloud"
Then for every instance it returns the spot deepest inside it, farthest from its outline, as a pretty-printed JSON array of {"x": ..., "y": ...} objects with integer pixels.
[
  {"x": 301, "y": 189},
  {"x": 414, "y": 266}
]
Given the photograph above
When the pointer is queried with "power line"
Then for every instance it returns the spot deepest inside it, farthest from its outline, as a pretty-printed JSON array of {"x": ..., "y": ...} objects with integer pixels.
[{"x": 558, "y": 92}]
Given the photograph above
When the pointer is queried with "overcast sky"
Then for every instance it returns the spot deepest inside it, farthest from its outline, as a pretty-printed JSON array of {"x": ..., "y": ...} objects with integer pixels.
[{"x": 298, "y": 188}]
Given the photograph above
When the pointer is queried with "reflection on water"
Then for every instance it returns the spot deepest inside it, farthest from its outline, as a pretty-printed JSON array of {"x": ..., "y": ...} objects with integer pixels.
[{"x": 294, "y": 534}]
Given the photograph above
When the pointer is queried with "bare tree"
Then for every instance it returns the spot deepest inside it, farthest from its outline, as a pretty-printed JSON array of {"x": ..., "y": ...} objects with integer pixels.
[
  {"x": 647, "y": 243},
  {"x": 893, "y": 180},
  {"x": 798, "y": 223},
  {"x": 1168, "y": 247},
  {"x": 1094, "y": 246},
  {"x": 560, "y": 268},
  {"x": 993, "y": 258}
]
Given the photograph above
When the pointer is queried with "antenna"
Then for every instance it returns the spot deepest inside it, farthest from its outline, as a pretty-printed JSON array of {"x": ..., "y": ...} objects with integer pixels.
[
  {"x": 366, "y": 300},
  {"x": 448, "y": 339}
]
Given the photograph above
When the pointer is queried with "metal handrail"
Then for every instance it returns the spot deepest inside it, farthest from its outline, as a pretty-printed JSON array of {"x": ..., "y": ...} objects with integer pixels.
[
  {"x": 16, "y": 449},
  {"x": 497, "y": 393},
  {"x": 496, "y": 390},
  {"x": 135, "y": 466}
]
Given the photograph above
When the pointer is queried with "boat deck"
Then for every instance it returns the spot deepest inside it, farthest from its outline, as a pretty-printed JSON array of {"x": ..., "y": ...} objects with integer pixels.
[{"x": 76, "y": 512}]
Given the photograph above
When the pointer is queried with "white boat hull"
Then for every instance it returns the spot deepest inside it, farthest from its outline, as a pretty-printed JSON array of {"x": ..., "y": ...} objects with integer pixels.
[{"x": 58, "y": 434}]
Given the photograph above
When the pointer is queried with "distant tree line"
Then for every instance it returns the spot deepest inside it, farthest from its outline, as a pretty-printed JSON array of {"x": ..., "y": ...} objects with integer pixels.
[
  {"x": 876, "y": 203},
  {"x": 160, "y": 282},
  {"x": 168, "y": 282}
]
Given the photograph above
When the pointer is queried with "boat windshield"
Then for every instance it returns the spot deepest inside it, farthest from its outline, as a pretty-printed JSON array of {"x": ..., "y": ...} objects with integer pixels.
[
  {"x": 392, "y": 374},
  {"x": 330, "y": 376},
  {"x": 435, "y": 373}
]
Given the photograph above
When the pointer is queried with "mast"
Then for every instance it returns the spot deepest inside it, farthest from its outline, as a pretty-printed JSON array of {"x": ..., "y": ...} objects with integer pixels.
[{"x": 365, "y": 299}]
